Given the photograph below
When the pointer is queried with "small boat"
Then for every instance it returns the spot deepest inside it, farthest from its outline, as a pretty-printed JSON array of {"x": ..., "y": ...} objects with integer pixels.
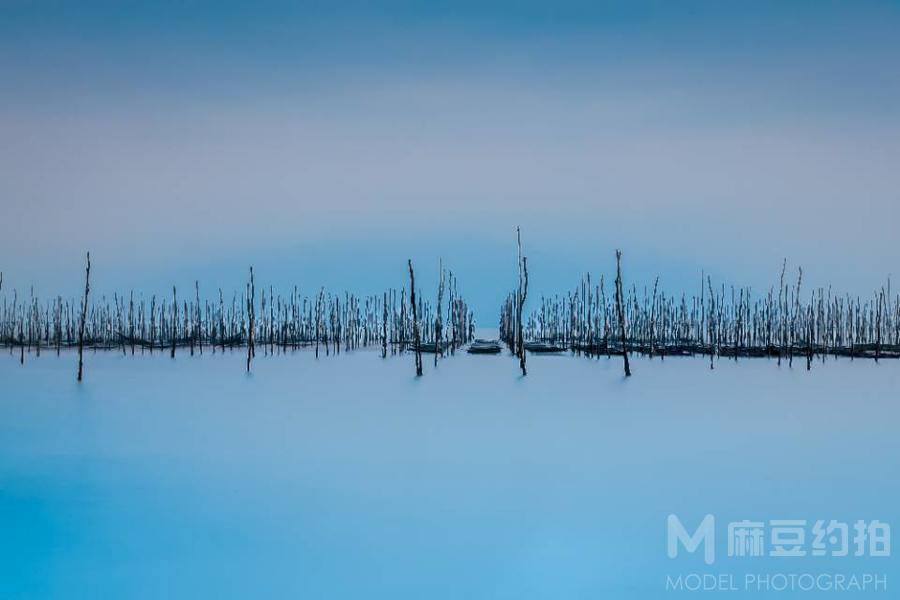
[
  {"x": 544, "y": 347},
  {"x": 484, "y": 347},
  {"x": 430, "y": 347}
]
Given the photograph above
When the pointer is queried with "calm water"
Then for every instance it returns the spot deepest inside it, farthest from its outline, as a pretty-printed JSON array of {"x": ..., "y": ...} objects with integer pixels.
[{"x": 348, "y": 478}]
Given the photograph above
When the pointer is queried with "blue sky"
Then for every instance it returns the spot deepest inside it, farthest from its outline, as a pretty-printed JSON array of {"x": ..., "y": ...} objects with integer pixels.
[{"x": 327, "y": 144}]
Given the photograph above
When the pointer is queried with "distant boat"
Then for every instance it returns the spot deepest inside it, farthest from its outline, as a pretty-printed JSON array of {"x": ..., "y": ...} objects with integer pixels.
[
  {"x": 484, "y": 347},
  {"x": 430, "y": 347},
  {"x": 544, "y": 347}
]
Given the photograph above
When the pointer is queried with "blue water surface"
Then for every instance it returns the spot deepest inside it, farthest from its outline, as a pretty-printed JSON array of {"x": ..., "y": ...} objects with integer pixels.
[{"x": 347, "y": 477}]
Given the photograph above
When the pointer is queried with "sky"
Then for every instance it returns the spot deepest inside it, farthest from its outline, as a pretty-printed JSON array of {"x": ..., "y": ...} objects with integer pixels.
[{"x": 326, "y": 143}]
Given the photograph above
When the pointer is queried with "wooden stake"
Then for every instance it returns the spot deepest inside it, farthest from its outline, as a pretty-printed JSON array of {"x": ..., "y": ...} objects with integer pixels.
[
  {"x": 621, "y": 312},
  {"x": 84, "y": 305}
]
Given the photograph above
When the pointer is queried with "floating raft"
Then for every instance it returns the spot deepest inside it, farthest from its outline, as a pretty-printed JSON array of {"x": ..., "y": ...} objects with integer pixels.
[{"x": 485, "y": 347}]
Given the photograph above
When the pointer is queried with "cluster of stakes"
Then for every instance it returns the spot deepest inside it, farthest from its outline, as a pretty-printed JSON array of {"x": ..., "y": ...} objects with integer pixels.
[
  {"x": 788, "y": 322},
  {"x": 257, "y": 320},
  {"x": 785, "y": 324}
]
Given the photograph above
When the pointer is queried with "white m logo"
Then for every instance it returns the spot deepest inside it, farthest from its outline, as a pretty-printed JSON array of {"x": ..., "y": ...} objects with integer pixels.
[{"x": 705, "y": 534}]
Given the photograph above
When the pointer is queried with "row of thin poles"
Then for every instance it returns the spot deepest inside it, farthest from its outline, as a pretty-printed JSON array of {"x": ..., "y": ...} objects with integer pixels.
[
  {"x": 259, "y": 319},
  {"x": 716, "y": 320}
]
